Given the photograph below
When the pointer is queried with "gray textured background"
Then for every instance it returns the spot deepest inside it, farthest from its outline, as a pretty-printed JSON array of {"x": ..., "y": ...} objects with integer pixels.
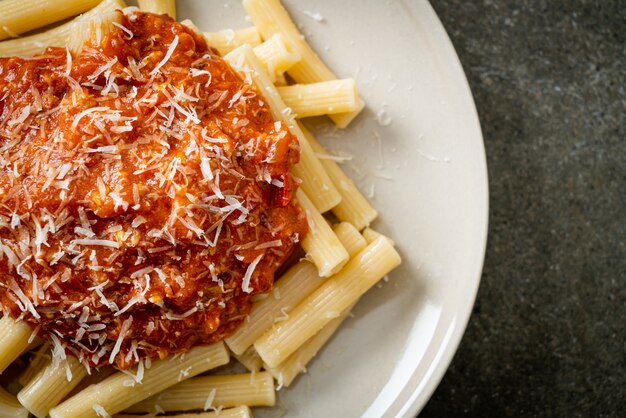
[{"x": 548, "y": 334}]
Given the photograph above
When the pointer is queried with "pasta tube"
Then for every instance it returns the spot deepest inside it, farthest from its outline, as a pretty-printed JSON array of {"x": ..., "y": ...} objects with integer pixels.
[
  {"x": 296, "y": 363},
  {"x": 327, "y": 302},
  {"x": 239, "y": 412},
  {"x": 353, "y": 207},
  {"x": 281, "y": 80},
  {"x": 91, "y": 28},
  {"x": 321, "y": 244},
  {"x": 249, "y": 359},
  {"x": 315, "y": 181},
  {"x": 95, "y": 377},
  {"x": 51, "y": 385},
  {"x": 276, "y": 56},
  {"x": 119, "y": 391},
  {"x": 21, "y": 16},
  {"x": 203, "y": 392},
  {"x": 227, "y": 40},
  {"x": 58, "y": 36},
  {"x": 288, "y": 291},
  {"x": 14, "y": 336},
  {"x": 10, "y": 407},
  {"x": 323, "y": 98},
  {"x": 370, "y": 235},
  {"x": 292, "y": 287},
  {"x": 350, "y": 237},
  {"x": 167, "y": 7},
  {"x": 272, "y": 18},
  {"x": 37, "y": 362}
]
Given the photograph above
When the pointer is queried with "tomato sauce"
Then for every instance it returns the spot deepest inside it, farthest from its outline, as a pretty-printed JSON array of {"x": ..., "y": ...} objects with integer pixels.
[{"x": 145, "y": 193}]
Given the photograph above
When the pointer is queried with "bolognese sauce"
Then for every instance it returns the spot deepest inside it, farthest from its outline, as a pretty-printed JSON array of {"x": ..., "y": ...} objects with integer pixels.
[{"x": 145, "y": 193}]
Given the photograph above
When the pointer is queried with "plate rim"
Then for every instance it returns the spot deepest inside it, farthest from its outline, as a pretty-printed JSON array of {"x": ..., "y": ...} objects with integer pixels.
[{"x": 418, "y": 401}]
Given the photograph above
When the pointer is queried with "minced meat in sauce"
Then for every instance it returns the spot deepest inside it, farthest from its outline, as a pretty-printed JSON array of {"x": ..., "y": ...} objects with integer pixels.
[{"x": 145, "y": 193}]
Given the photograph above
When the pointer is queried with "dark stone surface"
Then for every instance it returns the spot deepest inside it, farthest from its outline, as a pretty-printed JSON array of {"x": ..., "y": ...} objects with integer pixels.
[{"x": 548, "y": 334}]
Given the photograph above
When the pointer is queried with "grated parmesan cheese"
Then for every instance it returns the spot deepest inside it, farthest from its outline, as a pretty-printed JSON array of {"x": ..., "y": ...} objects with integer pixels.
[
  {"x": 166, "y": 57},
  {"x": 245, "y": 286},
  {"x": 118, "y": 343},
  {"x": 100, "y": 411},
  {"x": 208, "y": 404}
]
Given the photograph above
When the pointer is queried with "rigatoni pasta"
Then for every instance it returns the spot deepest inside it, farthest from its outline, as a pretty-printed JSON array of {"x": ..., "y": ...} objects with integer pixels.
[
  {"x": 58, "y": 36},
  {"x": 228, "y": 39},
  {"x": 276, "y": 56},
  {"x": 14, "y": 338},
  {"x": 47, "y": 388},
  {"x": 272, "y": 18},
  {"x": 85, "y": 28},
  {"x": 10, "y": 406},
  {"x": 238, "y": 412},
  {"x": 204, "y": 392},
  {"x": 321, "y": 243},
  {"x": 36, "y": 362},
  {"x": 289, "y": 290},
  {"x": 328, "y": 301},
  {"x": 167, "y": 7},
  {"x": 249, "y": 359},
  {"x": 353, "y": 207},
  {"x": 323, "y": 98},
  {"x": 370, "y": 235},
  {"x": 120, "y": 391},
  {"x": 350, "y": 237},
  {"x": 19, "y": 16},
  {"x": 286, "y": 372}
]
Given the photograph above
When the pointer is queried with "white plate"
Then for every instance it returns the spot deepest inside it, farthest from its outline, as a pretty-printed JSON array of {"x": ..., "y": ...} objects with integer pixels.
[{"x": 387, "y": 360}]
